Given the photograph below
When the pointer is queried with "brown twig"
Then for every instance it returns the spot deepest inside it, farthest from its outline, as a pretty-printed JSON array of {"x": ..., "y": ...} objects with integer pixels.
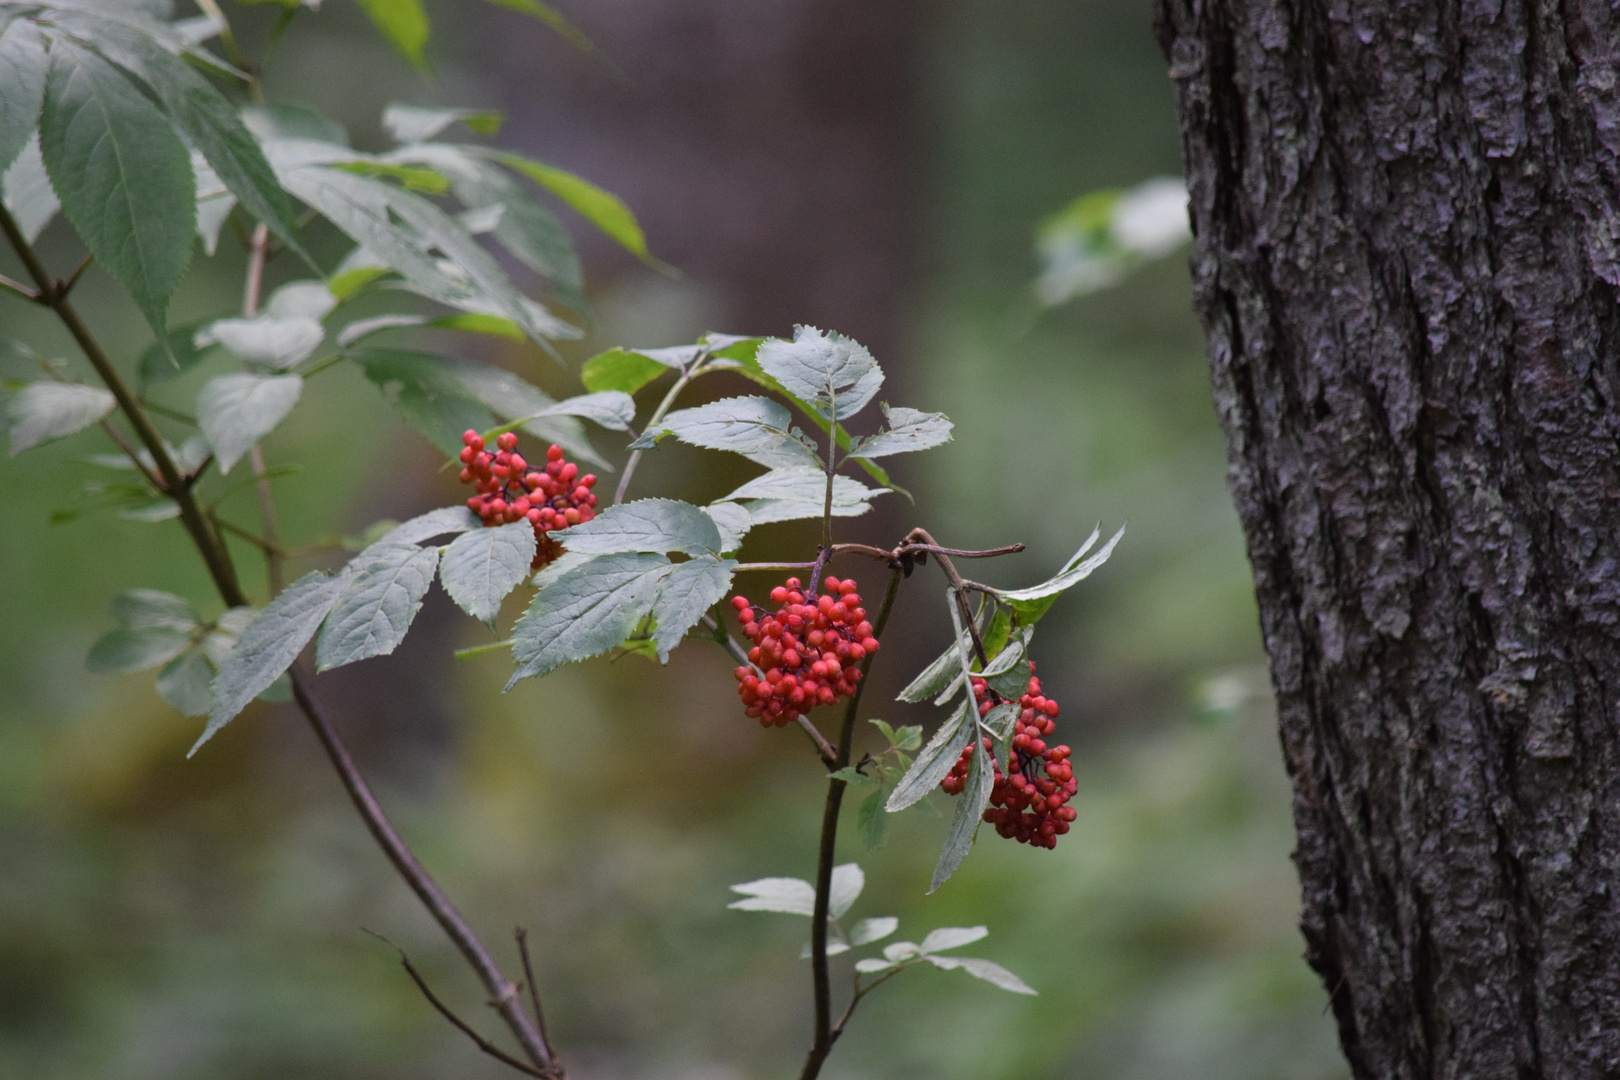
[
  {"x": 129, "y": 451},
  {"x": 920, "y": 537},
  {"x": 65, "y": 287},
  {"x": 522, "y": 936},
  {"x": 461, "y": 1025},
  {"x": 822, "y": 1042}
]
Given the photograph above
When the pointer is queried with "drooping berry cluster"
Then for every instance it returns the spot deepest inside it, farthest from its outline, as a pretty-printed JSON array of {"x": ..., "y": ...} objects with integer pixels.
[
  {"x": 553, "y": 497},
  {"x": 1028, "y": 797},
  {"x": 810, "y": 653}
]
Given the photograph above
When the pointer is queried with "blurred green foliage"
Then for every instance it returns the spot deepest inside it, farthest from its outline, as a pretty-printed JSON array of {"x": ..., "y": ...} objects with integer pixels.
[{"x": 174, "y": 919}]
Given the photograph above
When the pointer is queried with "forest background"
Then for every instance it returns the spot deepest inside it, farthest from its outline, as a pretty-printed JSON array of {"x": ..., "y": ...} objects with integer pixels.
[{"x": 877, "y": 169}]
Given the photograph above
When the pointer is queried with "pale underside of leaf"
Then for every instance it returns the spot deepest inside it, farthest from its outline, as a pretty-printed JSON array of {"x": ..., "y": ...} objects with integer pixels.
[
  {"x": 934, "y": 761},
  {"x": 970, "y": 806},
  {"x": 377, "y": 607},
  {"x": 43, "y": 411},
  {"x": 235, "y": 411}
]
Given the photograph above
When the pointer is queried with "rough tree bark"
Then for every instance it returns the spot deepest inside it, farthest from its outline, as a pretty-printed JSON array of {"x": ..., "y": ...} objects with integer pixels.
[{"x": 1407, "y": 265}]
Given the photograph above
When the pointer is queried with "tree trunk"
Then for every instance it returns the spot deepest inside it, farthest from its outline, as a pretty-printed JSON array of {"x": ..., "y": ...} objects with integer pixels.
[{"x": 1407, "y": 266}]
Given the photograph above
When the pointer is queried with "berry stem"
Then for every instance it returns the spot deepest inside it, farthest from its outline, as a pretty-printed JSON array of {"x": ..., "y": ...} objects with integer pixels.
[{"x": 825, "y": 1034}]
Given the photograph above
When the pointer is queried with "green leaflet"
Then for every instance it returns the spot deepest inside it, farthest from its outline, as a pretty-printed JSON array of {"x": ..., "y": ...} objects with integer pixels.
[
  {"x": 122, "y": 174},
  {"x": 23, "y": 67},
  {"x": 403, "y": 23},
  {"x": 386, "y": 584},
  {"x": 482, "y": 566}
]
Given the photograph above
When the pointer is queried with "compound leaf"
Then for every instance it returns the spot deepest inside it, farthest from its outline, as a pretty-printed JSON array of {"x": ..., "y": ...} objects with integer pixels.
[
  {"x": 732, "y": 521},
  {"x": 758, "y": 428},
  {"x": 691, "y": 589},
  {"x": 1030, "y": 604},
  {"x": 790, "y": 896},
  {"x": 987, "y": 970},
  {"x": 185, "y": 683},
  {"x": 969, "y": 812},
  {"x": 869, "y": 930},
  {"x": 822, "y": 369},
  {"x": 446, "y": 519},
  {"x": 934, "y": 761}
]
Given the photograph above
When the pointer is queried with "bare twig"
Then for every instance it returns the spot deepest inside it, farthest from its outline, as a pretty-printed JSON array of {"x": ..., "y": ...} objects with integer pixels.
[
  {"x": 822, "y": 1042},
  {"x": 129, "y": 451},
  {"x": 19, "y": 288},
  {"x": 522, "y": 936},
  {"x": 65, "y": 287},
  {"x": 692, "y": 371},
  {"x": 461, "y": 1025},
  {"x": 921, "y": 535}
]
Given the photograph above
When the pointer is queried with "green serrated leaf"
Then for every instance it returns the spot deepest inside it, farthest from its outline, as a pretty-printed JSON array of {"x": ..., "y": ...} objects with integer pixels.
[
  {"x": 427, "y": 392},
  {"x": 383, "y": 595},
  {"x": 404, "y": 23},
  {"x": 935, "y": 760},
  {"x": 758, "y": 428},
  {"x": 825, "y": 370},
  {"x": 24, "y": 64},
  {"x": 690, "y": 590},
  {"x": 657, "y": 525},
  {"x": 620, "y": 369},
  {"x": 446, "y": 520},
  {"x": 909, "y": 430},
  {"x": 943, "y": 672},
  {"x": 733, "y": 522},
  {"x": 122, "y": 174},
  {"x": 1028, "y": 605},
  {"x": 481, "y": 567},
  {"x": 585, "y": 611},
  {"x": 803, "y": 484},
  {"x": 236, "y": 411},
  {"x": 268, "y": 645},
  {"x": 43, "y": 411},
  {"x": 969, "y": 812}
]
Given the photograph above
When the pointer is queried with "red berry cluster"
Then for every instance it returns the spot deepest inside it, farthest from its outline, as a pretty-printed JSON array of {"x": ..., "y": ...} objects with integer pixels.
[
  {"x": 554, "y": 497},
  {"x": 1024, "y": 805},
  {"x": 810, "y": 652}
]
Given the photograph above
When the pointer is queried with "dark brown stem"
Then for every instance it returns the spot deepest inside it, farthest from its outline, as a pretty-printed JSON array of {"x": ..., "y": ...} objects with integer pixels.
[
  {"x": 822, "y": 1043},
  {"x": 65, "y": 287},
  {"x": 242, "y": 534},
  {"x": 461, "y": 1025},
  {"x": 522, "y": 936},
  {"x": 129, "y": 451},
  {"x": 503, "y": 993},
  {"x": 960, "y": 586}
]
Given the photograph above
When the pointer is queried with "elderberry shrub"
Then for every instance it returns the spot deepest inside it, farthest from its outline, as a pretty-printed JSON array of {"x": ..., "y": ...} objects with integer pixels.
[
  {"x": 809, "y": 654},
  {"x": 1027, "y": 799},
  {"x": 553, "y": 497}
]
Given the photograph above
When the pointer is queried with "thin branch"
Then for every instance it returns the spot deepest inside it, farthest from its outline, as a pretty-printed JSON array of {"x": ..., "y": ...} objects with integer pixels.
[
  {"x": 65, "y": 287},
  {"x": 522, "y": 936},
  {"x": 861, "y": 992},
  {"x": 236, "y": 530},
  {"x": 691, "y": 372},
  {"x": 986, "y": 553},
  {"x": 461, "y": 1025},
  {"x": 822, "y": 1043},
  {"x": 960, "y": 587},
  {"x": 134, "y": 455},
  {"x": 19, "y": 288},
  {"x": 172, "y": 414}
]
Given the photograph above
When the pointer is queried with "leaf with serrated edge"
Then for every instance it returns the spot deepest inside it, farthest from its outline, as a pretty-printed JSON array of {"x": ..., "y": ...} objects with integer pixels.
[
  {"x": 128, "y": 649},
  {"x": 987, "y": 970},
  {"x": 815, "y": 366},
  {"x": 847, "y": 882},
  {"x": 934, "y": 761},
  {"x": 803, "y": 484},
  {"x": 908, "y": 430},
  {"x": 43, "y": 411},
  {"x": 733, "y": 522},
  {"x": 755, "y": 427},
  {"x": 952, "y": 937},
  {"x": 480, "y": 568},
  {"x": 970, "y": 806},
  {"x": 274, "y": 342},
  {"x": 440, "y": 522},
  {"x": 267, "y": 645},
  {"x": 427, "y": 392},
  {"x": 790, "y": 896},
  {"x": 765, "y": 511},
  {"x": 236, "y": 411},
  {"x": 644, "y": 525},
  {"x": 378, "y": 605},
  {"x": 586, "y": 612},
  {"x": 1074, "y": 571},
  {"x": 601, "y": 208},
  {"x": 184, "y": 683},
  {"x": 122, "y": 174},
  {"x": 869, "y": 930},
  {"x": 620, "y": 369},
  {"x": 944, "y": 671},
  {"x": 23, "y": 66},
  {"x": 690, "y": 590}
]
